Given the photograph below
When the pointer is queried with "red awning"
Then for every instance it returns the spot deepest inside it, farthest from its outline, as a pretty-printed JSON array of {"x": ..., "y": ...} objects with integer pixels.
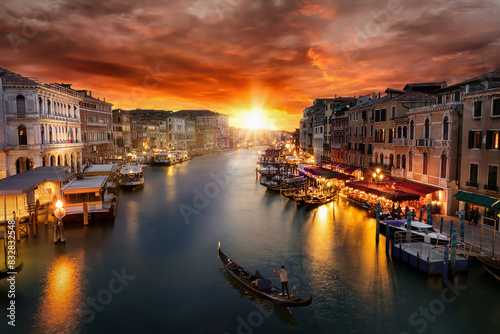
[
  {"x": 351, "y": 169},
  {"x": 414, "y": 187},
  {"x": 389, "y": 193}
]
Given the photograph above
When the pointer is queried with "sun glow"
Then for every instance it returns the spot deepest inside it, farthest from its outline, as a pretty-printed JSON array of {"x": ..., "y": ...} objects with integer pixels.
[{"x": 255, "y": 120}]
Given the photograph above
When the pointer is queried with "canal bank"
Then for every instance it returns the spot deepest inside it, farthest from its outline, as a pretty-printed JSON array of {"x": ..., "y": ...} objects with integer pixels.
[{"x": 179, "y": 285}]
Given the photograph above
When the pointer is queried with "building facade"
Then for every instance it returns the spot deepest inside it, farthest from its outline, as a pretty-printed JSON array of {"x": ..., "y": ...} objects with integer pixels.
[{"x": 41, "y": 124}]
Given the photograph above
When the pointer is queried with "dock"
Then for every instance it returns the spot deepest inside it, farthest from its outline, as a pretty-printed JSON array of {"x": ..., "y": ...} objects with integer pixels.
[{"x": 425, "y": 257}]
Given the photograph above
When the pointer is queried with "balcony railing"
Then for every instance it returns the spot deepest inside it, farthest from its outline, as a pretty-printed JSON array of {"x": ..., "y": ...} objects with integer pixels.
[
  {"x": 399, "y": 142},
  {"x": 424, "y": 142},
  {"x": 472, "y": 184},
  {"x": 491, "y": 187},
  {"x": 47, "y": 146},
  {"x": 97, "y": 124}
]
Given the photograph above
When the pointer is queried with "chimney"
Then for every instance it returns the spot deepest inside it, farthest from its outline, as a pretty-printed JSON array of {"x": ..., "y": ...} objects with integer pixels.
[
  {"x": 379, "y": 95},
  {"x": 90, "y": 93},
  {"x": 374, "y": 96},
  {"x": 104, "y": 99}
]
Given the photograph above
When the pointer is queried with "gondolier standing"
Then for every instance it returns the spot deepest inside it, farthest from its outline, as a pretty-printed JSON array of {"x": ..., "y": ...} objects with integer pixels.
[{"x": 284, "y": 280}]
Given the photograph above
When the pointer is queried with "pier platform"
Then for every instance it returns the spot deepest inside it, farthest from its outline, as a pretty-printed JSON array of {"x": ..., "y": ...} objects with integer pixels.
[{"x": 425, "y": 257}]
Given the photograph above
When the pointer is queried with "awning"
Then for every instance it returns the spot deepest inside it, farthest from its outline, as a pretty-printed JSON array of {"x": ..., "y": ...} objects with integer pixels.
[
  {"x": 326, "y": 173},
  {"x": 351, "y": 169},
  {"x": 413, "y": 187},
  {"x": 391, "y": 194},
  {"x": 484, "y": 201}
]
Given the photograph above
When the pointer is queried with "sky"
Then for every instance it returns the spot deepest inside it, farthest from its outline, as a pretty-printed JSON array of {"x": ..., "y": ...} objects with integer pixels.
[{"x": 259, "y": 61}]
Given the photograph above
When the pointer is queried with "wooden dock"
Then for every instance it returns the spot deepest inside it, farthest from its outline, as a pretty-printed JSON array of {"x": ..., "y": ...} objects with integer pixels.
[{"x": 425, "y": 257}]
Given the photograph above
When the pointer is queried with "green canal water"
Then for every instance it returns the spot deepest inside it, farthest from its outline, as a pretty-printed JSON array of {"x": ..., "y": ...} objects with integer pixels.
[{"x": 156, "y": 270}]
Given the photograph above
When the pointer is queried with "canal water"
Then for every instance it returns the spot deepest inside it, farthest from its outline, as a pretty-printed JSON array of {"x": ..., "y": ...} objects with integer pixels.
[{"x": 156, "y": 270}]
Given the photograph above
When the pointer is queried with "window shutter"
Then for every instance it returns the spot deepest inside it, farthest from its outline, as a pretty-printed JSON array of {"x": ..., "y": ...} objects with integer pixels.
[
  {"x": 471, "y": 139},
  {"x": 480, "y": 139},
  {"x": 489, "y": 137}
]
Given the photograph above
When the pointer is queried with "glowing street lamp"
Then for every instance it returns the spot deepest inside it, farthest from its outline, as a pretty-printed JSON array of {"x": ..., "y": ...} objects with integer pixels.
[{"x": 59, "y": 213}]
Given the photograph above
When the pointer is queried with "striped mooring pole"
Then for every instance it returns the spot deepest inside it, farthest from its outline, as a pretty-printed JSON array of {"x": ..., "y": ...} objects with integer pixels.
[
  {"x": 445, "y": 265},
  {"x": 377, "y": 229}
]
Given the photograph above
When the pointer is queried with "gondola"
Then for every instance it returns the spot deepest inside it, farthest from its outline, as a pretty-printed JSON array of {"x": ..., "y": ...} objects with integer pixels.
[
  {"x": 492, "y": 265},
  {"x": 269, "y": 292},
  {"x": 320, "y": 200}
]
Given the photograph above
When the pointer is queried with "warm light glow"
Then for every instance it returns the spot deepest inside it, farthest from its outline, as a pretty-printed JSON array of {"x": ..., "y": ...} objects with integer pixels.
[
  {"x": 59, "y": 204},
  {"x": 378, "y": 170},
  {"x": 374, "y": 175},
  {"x": 381, "y": 176},
  {"x": 255, "y": 120}
]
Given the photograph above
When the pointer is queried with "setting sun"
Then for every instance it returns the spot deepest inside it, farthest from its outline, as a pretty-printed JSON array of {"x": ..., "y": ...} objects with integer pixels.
[{"x": 255, "y": 120}]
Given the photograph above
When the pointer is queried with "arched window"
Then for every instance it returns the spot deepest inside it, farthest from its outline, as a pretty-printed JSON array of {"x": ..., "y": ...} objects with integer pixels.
[
  {"x": 42, "y": 134},
  {"x": 76, "y": 135},
  {"x": 403, "y": 162},
  {"x": 398, "y": 161},
  {"x": 444, "y": 165},
  {"x": 48, "y": 107},
  {"x": 400, "y": 134},
  {"x": 410, "y": 162},
  {"x": 427, "y": 129},
  {"x": 21, "y": 132},
  {"x": 445, "y": 128},
  {"x": 382, "y": 158},
  {"x": 23, "y": 164},
  {"x": 391, "y": 160},
  {"x": 21, "y": 104},
  {"x": 376, "y": 157},
  {"x": 50, "y": 136},
  {"x": 405, "y": 132},
  {"x": 40, "y": 105},
  {"x": 412, "y": 129}
]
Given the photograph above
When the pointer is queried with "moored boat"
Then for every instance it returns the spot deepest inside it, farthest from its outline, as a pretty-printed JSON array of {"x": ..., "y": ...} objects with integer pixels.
[
  {"x": 491, "y": 264},
  {"x": 131, "y": 176},
  {"x": 260, "y": 286}
]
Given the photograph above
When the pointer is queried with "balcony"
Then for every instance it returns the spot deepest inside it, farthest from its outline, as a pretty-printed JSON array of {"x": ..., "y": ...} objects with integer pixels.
[
  {"x": 424, "y": 142},
  {"x": 472, "y": 184},
  {"x": 47, "y": 146},
  {"x": 491, "y": 187},
  {"x": 44, "y": 116},
  {"x": 97, "y": 124},
  {"x": 399, "y": 142}
]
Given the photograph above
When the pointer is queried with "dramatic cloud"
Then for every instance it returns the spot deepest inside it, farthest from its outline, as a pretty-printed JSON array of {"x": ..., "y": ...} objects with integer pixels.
[{"x": 238, "y": 56}]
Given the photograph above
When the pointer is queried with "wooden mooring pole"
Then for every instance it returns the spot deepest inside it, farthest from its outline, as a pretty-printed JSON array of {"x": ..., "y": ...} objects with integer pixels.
[
  {"x": 377, "y": 229},
  {"x": 85, "y": 214}
]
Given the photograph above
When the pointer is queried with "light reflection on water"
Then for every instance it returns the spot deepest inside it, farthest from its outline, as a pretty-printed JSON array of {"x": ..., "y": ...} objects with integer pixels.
[{"x": 62, "y": 299}]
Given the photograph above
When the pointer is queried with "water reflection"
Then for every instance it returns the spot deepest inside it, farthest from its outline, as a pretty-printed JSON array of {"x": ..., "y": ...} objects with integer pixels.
[
  {"x": 281, "y": 313},
  {"x": 62, "y": 298}
]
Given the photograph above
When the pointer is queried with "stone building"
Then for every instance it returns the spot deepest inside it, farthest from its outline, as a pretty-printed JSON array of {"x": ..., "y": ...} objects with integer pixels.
[
  {"x": 122, "y": 134},
  {"x": 97, "y": 128},
  {"x": 40, "y": 124}
]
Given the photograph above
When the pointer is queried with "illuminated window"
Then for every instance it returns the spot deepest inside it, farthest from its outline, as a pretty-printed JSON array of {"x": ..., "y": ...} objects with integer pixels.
[{"x": 492, "y": 140}]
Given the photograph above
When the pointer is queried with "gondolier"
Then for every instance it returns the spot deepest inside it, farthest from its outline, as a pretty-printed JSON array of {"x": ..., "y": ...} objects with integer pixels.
[{"x": 284, "y": 280}]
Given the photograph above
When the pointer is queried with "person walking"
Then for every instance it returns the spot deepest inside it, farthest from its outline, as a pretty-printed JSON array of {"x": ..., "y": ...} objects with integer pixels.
[{"x": 284, "y": 281}]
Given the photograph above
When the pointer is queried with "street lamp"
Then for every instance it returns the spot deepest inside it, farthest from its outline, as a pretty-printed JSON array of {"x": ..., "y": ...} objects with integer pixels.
[
  {"x": 377, "y": 176},
  {"x": 59, "y": 213}
]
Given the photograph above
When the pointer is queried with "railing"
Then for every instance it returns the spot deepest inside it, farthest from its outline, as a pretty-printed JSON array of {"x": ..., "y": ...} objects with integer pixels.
[
  {"x": 96, "y": 124},
  {"x": 472, "y": 184},
  {"x": 424, "y": 142},
  {"x": 491, "y": 187},
  {"x": 61, "y": 145},
  {"x": 399, "y": 142}
]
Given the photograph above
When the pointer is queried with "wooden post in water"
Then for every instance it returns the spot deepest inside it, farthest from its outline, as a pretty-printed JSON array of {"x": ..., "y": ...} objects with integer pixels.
[
  {"x": 445, "y": 265},
  {"x": 18, "y": 236},
  {"x": 377, "y": 229},
  {"x": 34, "y": 223},
  {"x": 387, "y": 238},
  {"x": 85, "y": 214},
  {"x": 37, "y": 210},
  {"x": 453, "y": 253}
]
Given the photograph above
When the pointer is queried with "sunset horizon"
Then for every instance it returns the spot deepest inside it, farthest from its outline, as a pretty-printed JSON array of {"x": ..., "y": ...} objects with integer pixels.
[{"x": 239, "y": 58}]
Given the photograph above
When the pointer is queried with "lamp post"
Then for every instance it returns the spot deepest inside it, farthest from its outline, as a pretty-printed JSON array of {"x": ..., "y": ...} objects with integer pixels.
[
  {"x": 59, "y": 213},
  {"x": 377, "y": 176}
]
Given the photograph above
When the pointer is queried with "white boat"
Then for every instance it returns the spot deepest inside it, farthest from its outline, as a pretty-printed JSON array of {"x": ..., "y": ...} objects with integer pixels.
[
  {"x": 268, "y": 170},
  {"x": 169, "y": 158},
  {"x": 93, "y": 191},
  {"x": 425, "y": 231},
  {"x": 131, "y": 176}
]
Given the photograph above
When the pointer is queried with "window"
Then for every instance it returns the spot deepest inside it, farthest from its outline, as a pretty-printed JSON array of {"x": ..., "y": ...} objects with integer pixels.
[
  {"x": 391, "y": 135},
  {"x": 492, "y": 178},
  {"x": 492, "y": 140},
  {"x": 381, "y": 158},
  {"x": 427, "y": 129},
  {"x": 410, "y": 162},
  {"x": 363, "y": 115},
  {"x": 440, "y": 99},
  {"x": 403, "y": 162},
  {"x": 445, "y": 128},
  {"x": 23, "y": 138},
  {"x": 382, "y": 136},
  {"x": 444, "y": 166},
  {"x": 426, "y": 164},
  {"x": 20, "y": 104},
  {"x": 371, "y": 130},
  {"x": 370, "y": 149},
  {"x": 393, "y": 113},
  {"x": 473, "y": 175},
  {"x": 377, "y": 115},
  {"x": 400, "y": 134},
  {"x": 474, "y": 139},
  {"x": 405, "y": 132},
  {"x": 371, "y": 118},
  {"x": 383, "y": 115},
  {"x": 391, "y": 160},
  {"x": 412, "y": 129},
  {"x": 398, "y": 161},
  {"x": 495, "y": 107},
  {"x": 42, "y": 132},
  {"x": 356, "y": 131},
  {"x": 457, "y": 96},
  {"x": 478, "y": 109}
]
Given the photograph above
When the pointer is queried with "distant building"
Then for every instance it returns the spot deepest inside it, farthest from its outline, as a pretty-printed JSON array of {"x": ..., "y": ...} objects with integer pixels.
[
  {"x": 210, "y": 118},
  {"x": 122, "y": 134}
]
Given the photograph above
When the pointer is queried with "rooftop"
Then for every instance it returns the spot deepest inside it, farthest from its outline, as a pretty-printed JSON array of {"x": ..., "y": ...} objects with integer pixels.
[
  {"x": 24, "y": 182},
  {"x": 85, "y": 182}
]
